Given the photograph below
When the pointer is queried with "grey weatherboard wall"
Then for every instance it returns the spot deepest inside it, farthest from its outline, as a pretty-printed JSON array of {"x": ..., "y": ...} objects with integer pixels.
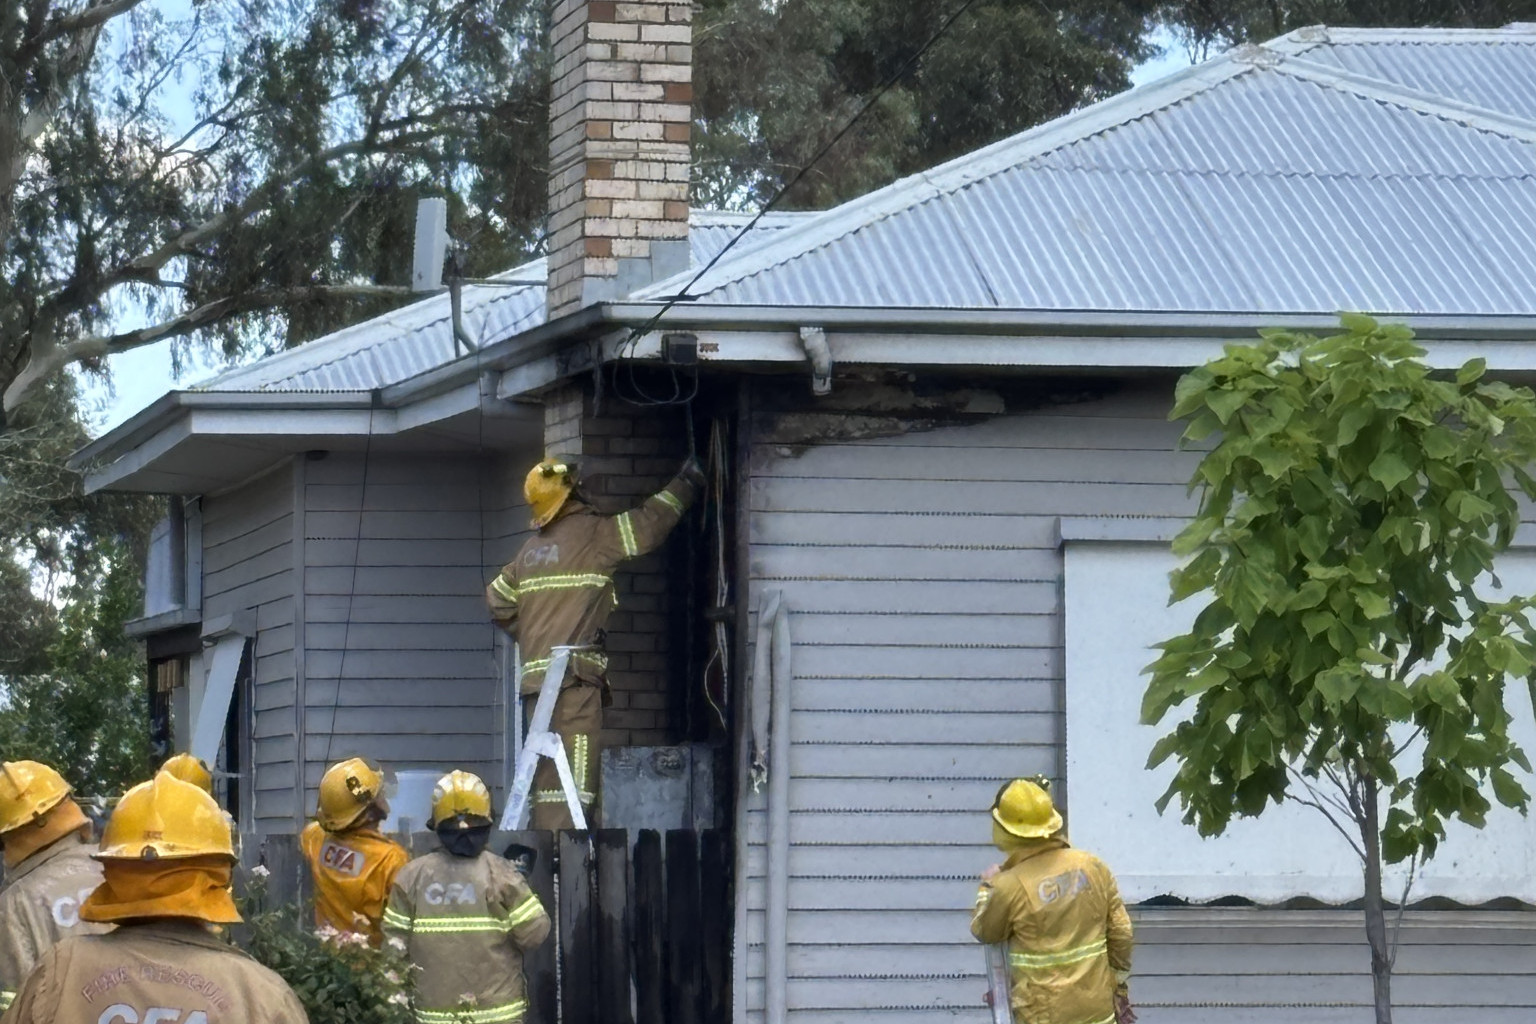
[
  {"x": 248, "y": 564},
  {"x": 420, "y": 684},
  {"x": 924, "y": 580}
]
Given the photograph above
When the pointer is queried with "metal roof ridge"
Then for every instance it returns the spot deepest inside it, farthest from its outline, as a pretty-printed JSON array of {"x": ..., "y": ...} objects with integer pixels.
[
  {"x": 1433, "y": 104},
  {"x": 1322, "y": 35},
  {"x": 954, "y": 175}
]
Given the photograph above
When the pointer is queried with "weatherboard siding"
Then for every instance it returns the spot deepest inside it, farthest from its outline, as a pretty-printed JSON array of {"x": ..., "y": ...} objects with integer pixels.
[
  {"x": 924, "y": 579},
  {"x": 400, "y": 654},
  {"x": 248, "y": 565}
]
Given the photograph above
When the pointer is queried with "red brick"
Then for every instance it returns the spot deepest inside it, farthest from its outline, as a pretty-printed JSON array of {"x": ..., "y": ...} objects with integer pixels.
[
  {"x": 603, "y": 10},
  {"x": 604, "y": 130},
  {"x": 679, "y": 92},
  {"x": 675, "y": 132},
  {"x": 600, "y": 247},
  {"x": 600, "y": 169}
]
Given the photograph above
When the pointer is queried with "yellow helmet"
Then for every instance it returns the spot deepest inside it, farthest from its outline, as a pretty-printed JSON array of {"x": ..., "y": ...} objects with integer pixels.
[
  {"x": 346, "y": 791},
  {"x": 460, "y": 793},
  {"x": 190, "y": 769},
  {"x": 28, "y": 790},
  {"x": 1023, "y": 808},
  {"x": 547, "y": 487},
  {"x": 163, "y": 819}
]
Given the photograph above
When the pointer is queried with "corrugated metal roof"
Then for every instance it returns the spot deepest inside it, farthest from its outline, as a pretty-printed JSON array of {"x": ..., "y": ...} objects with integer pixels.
[
  {"x": 419, "y": 337},
  {"x": 1260, "y": 182},
  {"x": 1387, "y": 171},
  {"x": 1494, "y": 68}
]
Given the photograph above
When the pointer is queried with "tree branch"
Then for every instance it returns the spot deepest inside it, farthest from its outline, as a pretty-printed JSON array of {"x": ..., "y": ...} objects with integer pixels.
[
  {"x": 1317, "y": 803},
  {"x": 47, "y": 358},
  {"x": 81, "y": 21}
]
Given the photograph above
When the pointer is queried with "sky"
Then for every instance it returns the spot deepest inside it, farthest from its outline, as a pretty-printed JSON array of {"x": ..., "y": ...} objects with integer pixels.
[{"x": 139, "y": 377}]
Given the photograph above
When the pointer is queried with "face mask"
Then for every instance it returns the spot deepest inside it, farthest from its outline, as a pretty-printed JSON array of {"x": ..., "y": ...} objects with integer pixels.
[{"x": 464, "y": 842}]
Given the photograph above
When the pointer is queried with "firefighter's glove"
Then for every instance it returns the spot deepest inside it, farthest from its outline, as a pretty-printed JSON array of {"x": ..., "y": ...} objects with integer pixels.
[
  {"x": 1124, "y": 1013},
  {"x": 693, "y": 472}
]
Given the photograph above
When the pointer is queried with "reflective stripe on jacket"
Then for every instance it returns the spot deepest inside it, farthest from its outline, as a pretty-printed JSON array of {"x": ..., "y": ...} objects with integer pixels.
[
  {"x": 466, "y": 923},
  {"x": 353, "y": 871},
  {"x": 176, "y": 967},
  {"x": 40, "y": 905},
  {"x": 1068, "y": 935},
  {"x": 559, "y": 588}
]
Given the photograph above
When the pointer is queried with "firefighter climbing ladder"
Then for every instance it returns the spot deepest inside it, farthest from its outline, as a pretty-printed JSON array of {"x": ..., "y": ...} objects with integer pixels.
[{"x": 541, "y": 742}]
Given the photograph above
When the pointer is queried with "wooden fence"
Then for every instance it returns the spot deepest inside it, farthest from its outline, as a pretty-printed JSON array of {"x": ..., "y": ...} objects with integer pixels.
[{"x": 642, "y": 921}]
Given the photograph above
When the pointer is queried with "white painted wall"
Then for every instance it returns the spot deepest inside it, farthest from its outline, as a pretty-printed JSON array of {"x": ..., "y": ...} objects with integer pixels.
[{"x": 1116, "y": 609}]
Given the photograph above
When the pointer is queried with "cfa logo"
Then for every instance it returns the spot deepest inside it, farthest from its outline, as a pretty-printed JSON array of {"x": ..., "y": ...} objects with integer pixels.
[
  {"x": 546, "y": 554},
  {"x": 454, "y": 892},
  {"x": 66, "y": 909},
  {"x": 341, "y": 859},
  {"x": 122, "y": 1013},
  {"x": 1068, "y": 883}
]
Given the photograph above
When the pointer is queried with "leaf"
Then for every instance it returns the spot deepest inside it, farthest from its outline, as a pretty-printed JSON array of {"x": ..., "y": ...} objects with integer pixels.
[
  {"x": 1357, "y": 323},
  {"x": 1390, "y": 469},
  {"x": 1471, "y": 371},
  {"x": 1507, "y": 791}
]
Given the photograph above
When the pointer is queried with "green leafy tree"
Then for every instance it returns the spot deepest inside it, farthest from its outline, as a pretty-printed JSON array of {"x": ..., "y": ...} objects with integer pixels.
[
  {"x": 83, "y": 709},
  {"x": 776, "y": 82},
  {"x": 1348, "y": 656}
]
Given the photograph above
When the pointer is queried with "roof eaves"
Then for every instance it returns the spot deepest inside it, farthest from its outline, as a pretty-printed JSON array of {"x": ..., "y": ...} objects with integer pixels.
[
  {"x": 173, "y": 405},
  {"x": 1367, "y": 87},
  {"x": 955, "y": 175}
]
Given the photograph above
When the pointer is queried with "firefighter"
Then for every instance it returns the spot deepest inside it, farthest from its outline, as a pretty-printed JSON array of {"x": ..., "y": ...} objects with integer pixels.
[
  {"x": 48, "y": 868},
  {"x": 1059, "y": 911},
  {"x": 167, "y": 860},
  {"x": 558, "y": 591},
  {"x": 467, "y": 917},
  {"x": 350, "y": 860},
  {"x": 190, "y": 769}
]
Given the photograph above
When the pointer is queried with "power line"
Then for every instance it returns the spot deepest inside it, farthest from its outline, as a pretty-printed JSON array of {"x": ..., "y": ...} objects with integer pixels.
[{"x": 637, "y": 333}]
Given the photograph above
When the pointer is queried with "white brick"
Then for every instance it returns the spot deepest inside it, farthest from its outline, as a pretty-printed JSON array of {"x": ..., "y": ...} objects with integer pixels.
[
  {"x": 638, "y": 130},
  {"x": 616, "y": 188},
  {"x": 661, "y": 190},
  {"x": 612, "y": 33},
  {"x": 613, "y": 71},
  {"x": 666, "y": 73},
  {"x": 641, "y": 91},
  {"x": 640, "y": 52},
  {"x": 666, "y": 34},
  {"x": 641, "y": 12},
  {"x": 644, "y": 209},
  {"x": 631, "y": 247},
  {"x": 675, "y": 113}
]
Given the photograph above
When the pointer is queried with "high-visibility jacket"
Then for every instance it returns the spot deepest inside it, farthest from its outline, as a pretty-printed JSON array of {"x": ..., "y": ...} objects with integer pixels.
[
  {"x": 163, "y": 971},
  {"x": 559, "y": 589},
  {"x": 352, "y": 871},
  {"x": 1068, "y": 935},
  {"x": 40, "y": 905},
  {"x": 466, "y": 923}
]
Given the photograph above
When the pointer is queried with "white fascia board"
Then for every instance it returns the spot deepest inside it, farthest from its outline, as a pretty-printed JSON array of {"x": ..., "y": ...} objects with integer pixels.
[
  {"x": 1054, "y": 351},
  {"x": 442, "y": 406}
]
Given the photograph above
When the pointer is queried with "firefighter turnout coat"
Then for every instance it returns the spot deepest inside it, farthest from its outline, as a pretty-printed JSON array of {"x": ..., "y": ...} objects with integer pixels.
[
  {"x": 40, "y": 905},
  {"x": 352, "y": 871},
  {"x": 559, "y": 589},
  {"x": 166, "y": 972},
  {"x": 466, "y": 923},
  {"x": 1068, "y": 935}
]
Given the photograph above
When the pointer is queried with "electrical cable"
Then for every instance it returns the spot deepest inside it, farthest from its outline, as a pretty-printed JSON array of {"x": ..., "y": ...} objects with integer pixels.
[{"x": 636, "y": 333}]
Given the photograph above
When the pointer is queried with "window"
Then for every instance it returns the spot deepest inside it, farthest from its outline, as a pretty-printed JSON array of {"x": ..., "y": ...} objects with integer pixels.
[
  {"x": 173, "y": 569},
  {"x": 1116, "y": 594}
]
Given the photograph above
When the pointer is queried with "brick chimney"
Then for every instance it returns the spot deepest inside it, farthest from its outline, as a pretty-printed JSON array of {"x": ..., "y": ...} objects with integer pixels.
[{"x": 620, "y": 112}]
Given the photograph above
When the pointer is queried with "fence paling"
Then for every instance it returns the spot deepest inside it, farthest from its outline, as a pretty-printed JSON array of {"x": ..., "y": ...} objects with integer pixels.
[{"x": 643, "y": 921}]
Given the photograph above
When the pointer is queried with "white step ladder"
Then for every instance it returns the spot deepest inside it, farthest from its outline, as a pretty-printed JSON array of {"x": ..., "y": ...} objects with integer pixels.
[{"x": 541, "y": 742}]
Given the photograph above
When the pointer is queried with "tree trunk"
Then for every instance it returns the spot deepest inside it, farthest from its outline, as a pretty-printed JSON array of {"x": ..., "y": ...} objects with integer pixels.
[{"x": 1375, "y": 911}]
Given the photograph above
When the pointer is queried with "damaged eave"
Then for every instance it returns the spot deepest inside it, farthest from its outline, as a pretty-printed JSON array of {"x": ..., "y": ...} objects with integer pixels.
[{"x": 1027, "y": 338}]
